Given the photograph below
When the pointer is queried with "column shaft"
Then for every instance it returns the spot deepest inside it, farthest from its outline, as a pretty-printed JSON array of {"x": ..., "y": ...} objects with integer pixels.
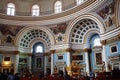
[
  {"x": 29, "y": 62},
  {"x": 16, "y": 63},
  {"x": 87, "y": 52},
  {"x": 45, "y": 63},
  {"x": 52, "y": 61},
  {"x": 87, "y": 62},
  {"x": 104, "y": 57}
]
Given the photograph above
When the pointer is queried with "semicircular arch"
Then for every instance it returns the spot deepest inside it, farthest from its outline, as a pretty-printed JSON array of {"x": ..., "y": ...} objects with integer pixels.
[
  {"x": 92, "y": 16},
  {"x": 29, "y": 30}
]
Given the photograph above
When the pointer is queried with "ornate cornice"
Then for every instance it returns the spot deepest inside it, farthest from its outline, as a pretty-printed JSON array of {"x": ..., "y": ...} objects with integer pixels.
[{"x": 113, "y": 39}]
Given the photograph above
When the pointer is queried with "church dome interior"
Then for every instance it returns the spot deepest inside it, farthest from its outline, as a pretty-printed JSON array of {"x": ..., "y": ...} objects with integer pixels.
[{"x": 60, "y": 39}]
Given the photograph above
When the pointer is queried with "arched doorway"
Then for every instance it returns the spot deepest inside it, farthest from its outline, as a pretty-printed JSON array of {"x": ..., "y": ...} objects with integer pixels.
[
  {"x": 38, "y": 58},
  {"x": 95, "y": 56}
]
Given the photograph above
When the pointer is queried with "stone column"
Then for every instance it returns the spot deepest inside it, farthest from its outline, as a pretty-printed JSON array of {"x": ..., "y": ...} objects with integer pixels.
[
  {"x": 16, "y": 62},
  {"x": 52, "y": 61},
  {"x": 104, "y": 57},
  {"x": 87, "y": 52},
  {"x": 68, "y": 64},
  {"x": 29, "y": 60},
  {"x": 45, "y": 62}
]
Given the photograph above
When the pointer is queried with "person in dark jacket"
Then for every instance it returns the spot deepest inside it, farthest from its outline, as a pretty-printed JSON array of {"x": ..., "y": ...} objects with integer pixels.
[{"x": 16, "y": 77}]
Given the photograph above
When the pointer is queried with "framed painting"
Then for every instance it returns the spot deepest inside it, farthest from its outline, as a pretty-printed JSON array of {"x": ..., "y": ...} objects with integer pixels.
[
  {"x": 60, "y": 57},
  {"x": 98, "y": 58},
  {"x": 38, "y": 62},
  {"x": 7, "y": 58},
  {"x": 114, "y": 48},
  {"x": 77, "y": 57},
  {"x": 23, "y": 60}
]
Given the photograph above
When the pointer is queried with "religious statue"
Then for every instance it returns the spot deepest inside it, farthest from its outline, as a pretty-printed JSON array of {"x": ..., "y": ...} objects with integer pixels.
[
  {"x": 9, "y": 39},
  {"x": 103, "y": 66},
  {"x": 75, "y": 69},
  {"x": 110, "y": 22},
  {"x": 55, "y": 69}
]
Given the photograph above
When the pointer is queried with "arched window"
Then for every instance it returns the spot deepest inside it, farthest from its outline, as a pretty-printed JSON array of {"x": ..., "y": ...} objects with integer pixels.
[
  {"x": 78, "y": 2},
  {"x": 39, "y": 49},
  {"x": 97, "y": 42},
  {"x": 35, "y": 10},
  {"x": 10, "y": 9},
  {"x": 58, "y": 7}
]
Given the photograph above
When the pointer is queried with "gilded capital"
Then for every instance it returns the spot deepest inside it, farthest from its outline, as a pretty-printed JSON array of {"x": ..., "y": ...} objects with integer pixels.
[
  {"x": 52, "y": 51},
  {"x": 118, "y": 36},
  {"x": 87, "y": 50},
  {"x": 103, "y": 42},
  {"x": 46, "y": 54},
  {"x": 69, "y": 50},
  {"x": 16, "y": 52},
  {"x": 29, "y": 54}
]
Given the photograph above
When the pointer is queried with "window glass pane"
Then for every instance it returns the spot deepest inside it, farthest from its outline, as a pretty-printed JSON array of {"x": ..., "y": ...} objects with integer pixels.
[
  {"x": 58, "y": 7},
  {"x": 35, "y": 10},
  {"x": 97, "y": 42},
  {"x": 10, "y": 9},
  {"x": 39, "y": 49},
  {"x": 78, "y": 2}
]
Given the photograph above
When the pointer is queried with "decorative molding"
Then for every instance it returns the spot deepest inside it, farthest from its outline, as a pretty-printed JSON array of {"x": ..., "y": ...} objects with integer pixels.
[
  {"x": 9, "y": 52},
  {"x": 60, "y": 51},
  {"x": 114, "y": 58},
  {"x": 110, "y": 34},
  {"x": 113, "y": 39},
  {"x": 53, "y": 18},
  {"x": 77, "y": 51},
  {"x": 60, "y": 63},
  {"x": 60, "y": 46},
  {"x": 8, "y": 48},
  {"x": 97, "y": 48}
]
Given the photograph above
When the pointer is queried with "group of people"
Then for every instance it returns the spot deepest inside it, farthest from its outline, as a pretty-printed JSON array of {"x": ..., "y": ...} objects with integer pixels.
[{"x": 9, "y": 76}]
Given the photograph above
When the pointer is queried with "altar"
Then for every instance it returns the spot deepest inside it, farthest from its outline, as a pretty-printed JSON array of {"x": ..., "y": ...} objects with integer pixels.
[{"x": 75, "y": 70}]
